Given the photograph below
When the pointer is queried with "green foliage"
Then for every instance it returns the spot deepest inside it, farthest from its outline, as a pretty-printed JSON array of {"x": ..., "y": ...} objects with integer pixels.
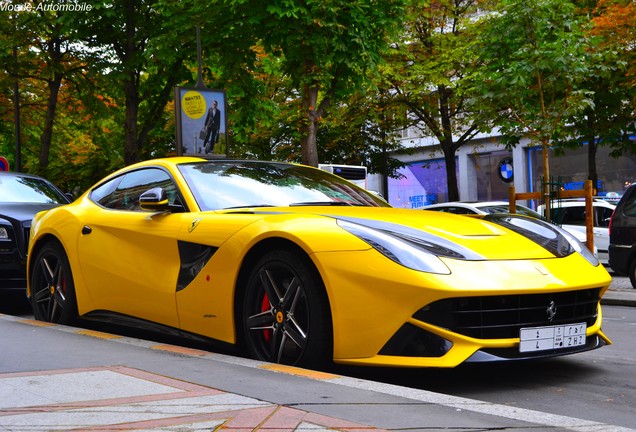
[
  {"x": 349, "y": 74},
  {"x": 533, "y": 64},
  {"x": 427, "y": 69},
  {"x": 325, "y": 49}
]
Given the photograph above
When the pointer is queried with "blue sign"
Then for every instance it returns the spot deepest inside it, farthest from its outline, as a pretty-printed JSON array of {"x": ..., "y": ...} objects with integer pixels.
[
  {"x": 506, "y": 172},
  {"x": 4, "y": 164}
]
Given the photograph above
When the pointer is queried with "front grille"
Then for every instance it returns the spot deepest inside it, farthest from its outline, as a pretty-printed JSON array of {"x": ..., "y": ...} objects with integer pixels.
[
  {"x": 502, "y": 316},
  {"x": 27, "y": 238}
]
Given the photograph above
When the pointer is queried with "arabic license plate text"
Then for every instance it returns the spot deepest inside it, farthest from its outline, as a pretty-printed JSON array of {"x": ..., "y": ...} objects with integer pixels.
[{"x": 552, "y": 337}]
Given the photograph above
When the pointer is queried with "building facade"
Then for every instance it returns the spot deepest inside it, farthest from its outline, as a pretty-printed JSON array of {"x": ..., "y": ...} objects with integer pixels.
[{"x": 486, "y": 170}]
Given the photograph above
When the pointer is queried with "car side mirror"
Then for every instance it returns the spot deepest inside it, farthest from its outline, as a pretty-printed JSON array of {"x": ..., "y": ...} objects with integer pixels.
[{"x": 154, "y": 199}]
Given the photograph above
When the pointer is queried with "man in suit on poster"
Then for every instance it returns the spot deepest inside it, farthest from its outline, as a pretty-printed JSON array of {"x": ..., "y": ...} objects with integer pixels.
[{"x": 212, "y": 126}]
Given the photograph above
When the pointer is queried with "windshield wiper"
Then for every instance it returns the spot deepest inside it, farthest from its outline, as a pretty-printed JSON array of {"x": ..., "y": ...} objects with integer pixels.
[
  {"x": 321, "y": 203},
  {"x": 248, "y": 206}
]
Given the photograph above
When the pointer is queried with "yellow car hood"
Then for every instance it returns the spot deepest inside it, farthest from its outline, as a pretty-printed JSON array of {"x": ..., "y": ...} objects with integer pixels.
[{"x": 491, "y": 241}]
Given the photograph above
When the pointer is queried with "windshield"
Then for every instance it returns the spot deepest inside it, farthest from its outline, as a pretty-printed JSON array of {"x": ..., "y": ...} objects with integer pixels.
[
  {"x": 17, "y": 189},
  {"x": 232, "y": 184}
]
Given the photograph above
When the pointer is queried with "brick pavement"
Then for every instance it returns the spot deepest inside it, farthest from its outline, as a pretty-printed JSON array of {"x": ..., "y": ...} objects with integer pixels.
[{"x": 122, "y": 398}]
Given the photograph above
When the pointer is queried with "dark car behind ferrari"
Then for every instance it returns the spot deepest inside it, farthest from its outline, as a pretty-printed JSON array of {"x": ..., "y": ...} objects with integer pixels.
[
  {"x": 21, "y": 197},
  {"x": 622, "y": 246}
]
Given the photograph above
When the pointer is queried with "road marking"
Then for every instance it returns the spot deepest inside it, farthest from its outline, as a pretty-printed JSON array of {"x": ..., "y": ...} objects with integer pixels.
[
  {"x": 98, "y": 334},
  {"x": 181, "y": 350},
  {"x": 291, "y": 370}
]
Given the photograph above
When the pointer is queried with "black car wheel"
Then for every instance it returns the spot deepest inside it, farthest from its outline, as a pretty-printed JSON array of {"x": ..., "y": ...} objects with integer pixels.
[
  {"x": 285, "y": 312},
  {"x": 52, "y": 289}
]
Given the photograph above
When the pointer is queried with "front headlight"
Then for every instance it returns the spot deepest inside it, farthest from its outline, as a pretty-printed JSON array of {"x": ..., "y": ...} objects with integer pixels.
[
  {"x": 411, "y": 248},
  {"x": 4, "y": 234}
]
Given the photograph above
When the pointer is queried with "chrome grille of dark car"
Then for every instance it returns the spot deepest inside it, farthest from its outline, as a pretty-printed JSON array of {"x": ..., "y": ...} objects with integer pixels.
[
  {"x": 502, "y": 316},
  {"x": 27, "y": 238}
]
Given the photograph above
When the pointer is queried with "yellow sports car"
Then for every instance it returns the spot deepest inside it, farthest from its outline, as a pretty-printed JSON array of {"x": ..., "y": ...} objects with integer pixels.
[{"x": 294, "y": 265}]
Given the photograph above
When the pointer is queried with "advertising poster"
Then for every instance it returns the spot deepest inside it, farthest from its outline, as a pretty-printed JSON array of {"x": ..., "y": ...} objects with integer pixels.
[{"x": 201, "y": 122}]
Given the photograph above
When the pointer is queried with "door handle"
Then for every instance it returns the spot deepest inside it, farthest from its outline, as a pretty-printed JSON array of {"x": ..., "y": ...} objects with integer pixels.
[{"x": 86, "y": 230}]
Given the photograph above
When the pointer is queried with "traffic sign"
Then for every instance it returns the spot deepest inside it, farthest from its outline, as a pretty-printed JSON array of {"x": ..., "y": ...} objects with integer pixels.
[{"x": 4, "y": 164}]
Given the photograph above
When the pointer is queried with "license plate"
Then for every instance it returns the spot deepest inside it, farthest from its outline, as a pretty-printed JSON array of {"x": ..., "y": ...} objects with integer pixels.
[{"x": 552, "y": 337}]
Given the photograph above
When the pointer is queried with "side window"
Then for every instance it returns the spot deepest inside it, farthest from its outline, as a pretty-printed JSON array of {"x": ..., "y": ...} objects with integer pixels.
[
  {"x": 123, "y": 193},
  {"x": 629, "y": 208},
  {"x": 573, "y": 216},
  {"x": 603, "y": 216}
]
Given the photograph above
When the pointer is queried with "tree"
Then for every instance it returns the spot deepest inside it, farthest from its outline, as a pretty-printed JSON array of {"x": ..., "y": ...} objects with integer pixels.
[
  {"x": 325, "y": 46},
  {"x": 611, "y": 121},
  {"x": 614, "y": 21},
  {"x": 427, "y": 70},
  {"x": 145, "y": 45},
  {"x": 533, "y": 61},
  {"x": 363, "y": 131},
  {"x": 44, "y": 58}
]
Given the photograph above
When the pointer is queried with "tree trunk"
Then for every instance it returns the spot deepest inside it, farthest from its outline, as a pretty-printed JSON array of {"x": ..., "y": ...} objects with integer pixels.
[
  {"x": 451, "y": 172},
  {"x": 546, "y": 178},
  {"x": 131, "y": 150},
  {"x": 592, "y": 146},
  {"x": 308, "y": 144},
  {"x": 54, "y": 50},
  {"x": 47, "y": 132},
  {"x": 449, "y": 147}
]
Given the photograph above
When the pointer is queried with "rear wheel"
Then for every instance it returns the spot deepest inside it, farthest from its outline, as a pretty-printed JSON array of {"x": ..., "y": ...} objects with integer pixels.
[
  {"x": 52, "y": 289},
  {"x": 285, "y": 312}
]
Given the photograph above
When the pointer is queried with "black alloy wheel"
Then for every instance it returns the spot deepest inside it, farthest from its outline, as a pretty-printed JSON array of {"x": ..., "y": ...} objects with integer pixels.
[
  {"x": 285, "y": 312},
  {"x": 52, "y": 289}
]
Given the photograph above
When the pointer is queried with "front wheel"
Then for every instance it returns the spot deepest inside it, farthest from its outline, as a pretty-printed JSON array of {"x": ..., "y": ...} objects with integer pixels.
[
  {"x": 52, "y": 289},
  {"x": 286, "y": 316}
]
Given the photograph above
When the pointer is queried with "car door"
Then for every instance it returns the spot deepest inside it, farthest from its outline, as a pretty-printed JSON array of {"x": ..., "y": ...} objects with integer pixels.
[
  {"x": 129, "y": 256},
  {"x": 602, "y": 216},
  {"x": 572, "y": 219}
]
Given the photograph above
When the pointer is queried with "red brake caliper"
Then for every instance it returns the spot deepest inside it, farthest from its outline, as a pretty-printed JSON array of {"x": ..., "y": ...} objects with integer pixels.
[{"x": 267, "y": 334}]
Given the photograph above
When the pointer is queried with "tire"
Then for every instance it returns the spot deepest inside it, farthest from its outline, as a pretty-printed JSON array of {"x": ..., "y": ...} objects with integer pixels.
[
  {"x": 632, "y": 272},
  {"x": 52, "y": 289},
  {"x": 285, "y": 314}
]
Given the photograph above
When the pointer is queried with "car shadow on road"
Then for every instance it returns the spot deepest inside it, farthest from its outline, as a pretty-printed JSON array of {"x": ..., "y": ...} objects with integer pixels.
[{"x": 471, "y": 379}]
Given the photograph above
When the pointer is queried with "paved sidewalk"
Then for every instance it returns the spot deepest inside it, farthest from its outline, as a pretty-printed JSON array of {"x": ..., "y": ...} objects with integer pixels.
[
  {"x": 122, "y": 398},
  {"x": 83, "y": 380},
  {"x": 620, "y": 293}
]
